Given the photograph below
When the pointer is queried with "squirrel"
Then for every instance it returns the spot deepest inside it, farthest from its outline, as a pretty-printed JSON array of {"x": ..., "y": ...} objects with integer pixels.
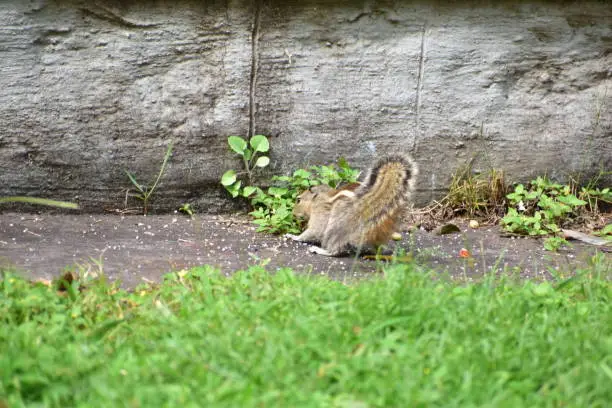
[
  {"x": 359, "y": 214},
  {"x": 314, "y": 206}
]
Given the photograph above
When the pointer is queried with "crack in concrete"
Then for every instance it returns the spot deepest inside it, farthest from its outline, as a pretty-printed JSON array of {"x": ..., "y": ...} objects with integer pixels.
[
  {"x": 420, "y": 75},
  {"x": 254, "y": 66}
]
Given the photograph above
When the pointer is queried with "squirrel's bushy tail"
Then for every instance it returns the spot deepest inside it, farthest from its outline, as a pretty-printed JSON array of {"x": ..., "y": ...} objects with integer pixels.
[
  {"x": 391, "y": 178},
  {"x": 373, "y": 214},
  {"x": 383, "y": 197}
]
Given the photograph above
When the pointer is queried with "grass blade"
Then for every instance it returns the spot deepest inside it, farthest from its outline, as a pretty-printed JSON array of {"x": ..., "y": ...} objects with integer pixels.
[{"x": 39, "y": 201}]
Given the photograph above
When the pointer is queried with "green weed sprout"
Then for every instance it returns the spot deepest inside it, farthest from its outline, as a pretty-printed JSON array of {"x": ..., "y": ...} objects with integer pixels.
[{"x": 144, "y": 192}]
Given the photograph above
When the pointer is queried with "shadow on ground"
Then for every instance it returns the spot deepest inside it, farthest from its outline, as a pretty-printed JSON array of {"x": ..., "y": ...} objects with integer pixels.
[{"x": 137, "y": 249}]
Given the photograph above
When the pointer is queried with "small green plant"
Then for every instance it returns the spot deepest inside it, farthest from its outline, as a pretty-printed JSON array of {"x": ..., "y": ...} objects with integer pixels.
[
  {"x": 272, "y": 207},
  {"x": 186, "y": 209},
  {"x": 541, "y": 209},
  {"x": 252, "y": 158},
  {"x": 144, "y": 191},
  {"x": 335, "y": 175},
  {"x": 605, "y": 232},
  {"x": 555, "y": 243},
  {"x": 595, "y": 196}
]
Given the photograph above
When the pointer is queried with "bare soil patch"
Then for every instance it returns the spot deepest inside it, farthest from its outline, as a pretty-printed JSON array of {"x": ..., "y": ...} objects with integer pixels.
[{"x": 137, "y": 249}]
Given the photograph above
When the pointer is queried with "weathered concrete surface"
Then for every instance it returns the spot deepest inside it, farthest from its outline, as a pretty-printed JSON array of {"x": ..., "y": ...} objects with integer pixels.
[
  {"x": 139, "y": 249},
  {"x": 93, "y": 88},
  {"x": 90, "y": 89}
]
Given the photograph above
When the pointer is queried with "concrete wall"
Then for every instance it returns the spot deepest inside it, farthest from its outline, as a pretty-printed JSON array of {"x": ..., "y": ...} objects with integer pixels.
[{"x": 90, "y": 89}]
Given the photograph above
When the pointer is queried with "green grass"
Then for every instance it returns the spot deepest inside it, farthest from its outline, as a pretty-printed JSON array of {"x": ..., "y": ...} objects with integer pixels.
[{"x": 262, "y": 340}]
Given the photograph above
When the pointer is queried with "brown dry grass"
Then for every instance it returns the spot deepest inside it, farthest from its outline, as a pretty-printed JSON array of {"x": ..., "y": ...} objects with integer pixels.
[{"x": 475, "y": 195}]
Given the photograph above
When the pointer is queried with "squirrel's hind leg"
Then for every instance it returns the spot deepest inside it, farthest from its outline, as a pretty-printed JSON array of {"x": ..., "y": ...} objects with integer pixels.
[{"x": 321, "y": 251}]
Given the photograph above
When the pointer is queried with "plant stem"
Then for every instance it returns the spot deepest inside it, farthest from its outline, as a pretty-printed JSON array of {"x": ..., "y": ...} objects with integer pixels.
[
  {"x": 248, "y": 168},
  {"x": 162, "y": 169}
]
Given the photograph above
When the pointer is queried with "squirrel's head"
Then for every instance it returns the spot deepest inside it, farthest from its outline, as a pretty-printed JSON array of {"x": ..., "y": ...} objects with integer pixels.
[{"x": 305, "y": 201}]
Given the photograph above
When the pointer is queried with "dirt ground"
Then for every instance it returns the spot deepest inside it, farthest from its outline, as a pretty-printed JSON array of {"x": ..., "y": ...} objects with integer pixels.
[{"x": 137, "y": 249}]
